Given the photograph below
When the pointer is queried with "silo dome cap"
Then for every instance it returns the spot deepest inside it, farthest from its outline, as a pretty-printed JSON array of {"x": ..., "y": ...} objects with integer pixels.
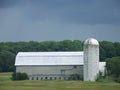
[{"x": 91, "y": 41}]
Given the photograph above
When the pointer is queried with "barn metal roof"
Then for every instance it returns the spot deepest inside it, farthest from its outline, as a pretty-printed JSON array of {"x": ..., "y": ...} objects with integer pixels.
[{"x": 49, "y": 58}]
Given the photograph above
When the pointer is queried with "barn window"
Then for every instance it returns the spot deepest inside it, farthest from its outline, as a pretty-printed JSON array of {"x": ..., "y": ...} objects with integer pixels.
[
  {"x": 32, "y": 78},
  {"x": 37, "y": 78},
  {"x": 60, "y": 78},
  {"x": 46, "y": 78},
  {"x": 41, "y": 78},
  {"x": 75, "y": 66},
  {"x": 55, "y": 78},
  {"x": 50, "y": 78}
]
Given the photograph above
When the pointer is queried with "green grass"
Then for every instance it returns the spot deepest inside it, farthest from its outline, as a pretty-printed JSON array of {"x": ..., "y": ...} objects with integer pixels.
[
  {"x": 7, "y": 84},
  {"x": 5, "y": 76}
]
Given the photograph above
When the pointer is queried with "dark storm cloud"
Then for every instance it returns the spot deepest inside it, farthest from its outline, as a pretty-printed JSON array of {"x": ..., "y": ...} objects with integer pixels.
[{"x": 39, "y": 20}]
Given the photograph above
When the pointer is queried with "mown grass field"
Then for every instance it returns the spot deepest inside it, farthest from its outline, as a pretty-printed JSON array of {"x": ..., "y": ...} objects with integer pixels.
[{"x": 7, "y": 84}]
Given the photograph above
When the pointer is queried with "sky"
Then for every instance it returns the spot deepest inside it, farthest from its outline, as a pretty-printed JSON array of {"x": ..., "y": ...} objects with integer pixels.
[{"x": 56, "y": 20}]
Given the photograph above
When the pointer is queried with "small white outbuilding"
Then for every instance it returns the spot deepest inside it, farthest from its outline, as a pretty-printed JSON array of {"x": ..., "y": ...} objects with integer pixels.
[{"x": 62, "y": 65}]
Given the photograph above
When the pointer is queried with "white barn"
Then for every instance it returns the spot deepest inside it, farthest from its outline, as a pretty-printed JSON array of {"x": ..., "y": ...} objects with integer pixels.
[{"x": 59, "y": 65}]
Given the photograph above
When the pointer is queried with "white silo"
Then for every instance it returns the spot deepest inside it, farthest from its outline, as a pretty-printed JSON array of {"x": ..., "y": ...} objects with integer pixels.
[{"x": 91, "y": 59}]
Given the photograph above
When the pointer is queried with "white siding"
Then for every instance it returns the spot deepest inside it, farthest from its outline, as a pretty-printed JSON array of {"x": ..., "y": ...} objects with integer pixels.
[{"x": 50, "y": 71}]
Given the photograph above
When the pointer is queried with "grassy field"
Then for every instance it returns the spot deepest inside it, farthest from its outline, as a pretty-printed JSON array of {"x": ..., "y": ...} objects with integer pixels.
[{"x": 7, "y": 84}]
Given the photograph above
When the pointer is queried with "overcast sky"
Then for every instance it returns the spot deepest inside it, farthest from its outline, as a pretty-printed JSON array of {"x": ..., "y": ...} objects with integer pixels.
[{"x": 43, "y": 20}]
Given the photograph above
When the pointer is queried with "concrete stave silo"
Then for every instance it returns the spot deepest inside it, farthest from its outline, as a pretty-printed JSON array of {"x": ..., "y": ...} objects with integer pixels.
[{"x": 91, "y": 59}]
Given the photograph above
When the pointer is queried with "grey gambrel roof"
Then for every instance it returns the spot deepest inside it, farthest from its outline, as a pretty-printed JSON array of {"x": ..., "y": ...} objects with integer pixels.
[{"x": 49, "y": 58}]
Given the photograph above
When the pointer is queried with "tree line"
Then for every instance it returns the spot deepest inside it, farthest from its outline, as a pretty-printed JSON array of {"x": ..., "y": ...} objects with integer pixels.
[{"x": 8, "y": 50}]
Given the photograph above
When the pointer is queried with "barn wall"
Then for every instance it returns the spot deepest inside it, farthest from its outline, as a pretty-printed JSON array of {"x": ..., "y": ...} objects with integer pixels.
[{"x": 50, "y": 72}]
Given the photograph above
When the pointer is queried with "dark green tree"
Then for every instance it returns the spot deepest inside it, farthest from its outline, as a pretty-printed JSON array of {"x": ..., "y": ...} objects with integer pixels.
[
  {"x": 6, "y": 61},
  {"x": 108, "y": 48},
  {"x": 113, "y": 67},
  {"x": 117, "y": 48}
]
